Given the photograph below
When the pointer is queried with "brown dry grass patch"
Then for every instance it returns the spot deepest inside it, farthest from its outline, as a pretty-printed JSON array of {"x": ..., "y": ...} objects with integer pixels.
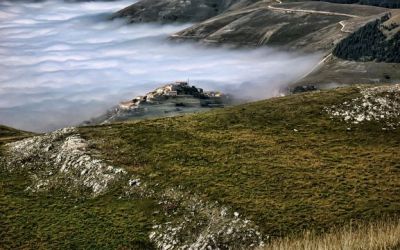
[{"x": 383, "y": 235}]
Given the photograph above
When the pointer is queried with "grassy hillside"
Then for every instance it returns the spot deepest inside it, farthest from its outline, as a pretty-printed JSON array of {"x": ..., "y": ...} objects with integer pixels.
[
  {"x": 175, "y": 10},
  {"x": 283, "y": 163},
  {"x": 8, "y": 134},
  {"x": 378, "y": 40}
]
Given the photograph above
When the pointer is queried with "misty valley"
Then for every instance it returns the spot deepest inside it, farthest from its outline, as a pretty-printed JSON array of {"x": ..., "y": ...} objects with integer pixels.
[
  {"x": 200, "y": 124},
  {"x": 63, "y": 63}
]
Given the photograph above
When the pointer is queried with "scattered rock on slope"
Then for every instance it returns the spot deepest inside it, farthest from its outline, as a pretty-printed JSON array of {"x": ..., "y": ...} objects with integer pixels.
[
  {"x": 203, "y": 225},
  {"x": 379, "y": 104},
  {"x": 59, "y": 160}
]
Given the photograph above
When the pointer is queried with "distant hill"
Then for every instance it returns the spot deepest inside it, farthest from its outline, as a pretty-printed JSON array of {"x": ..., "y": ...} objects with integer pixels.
[
  {"x": 308, "y": 26},
  {"x": 8, "y": 134},
  {"x": 166, "y": 11},
  {"x": 380, "y": 3},
  {"x": 379, "y": 41}
]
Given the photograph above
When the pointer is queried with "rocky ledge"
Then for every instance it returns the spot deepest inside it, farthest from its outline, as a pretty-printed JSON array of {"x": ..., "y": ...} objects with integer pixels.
[
  {"x": 59, "y": 160},
  {"x": 170, "y": 100}
]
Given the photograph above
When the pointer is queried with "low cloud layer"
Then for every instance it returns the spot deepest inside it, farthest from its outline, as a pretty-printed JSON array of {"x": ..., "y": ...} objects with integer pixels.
[{"x": 62, "y": 63}]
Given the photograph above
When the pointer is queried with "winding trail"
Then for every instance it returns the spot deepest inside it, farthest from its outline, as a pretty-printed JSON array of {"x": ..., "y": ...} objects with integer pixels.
[
  {"x": 321, "y": 63},
  {"x": 274, "y": 8},
  {"x": 310, "y": 11},
  {"x": 318, "y": 66}
]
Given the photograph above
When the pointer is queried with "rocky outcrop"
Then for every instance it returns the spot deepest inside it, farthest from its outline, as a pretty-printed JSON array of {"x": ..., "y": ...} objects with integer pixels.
[
  {"x": 62, "y": 161},
  {"x": 202, "y": 225},
  {"x": 59, "y": 160},
  {"x": 378, "y": 104},
  {"x": 169, "y": 100}
]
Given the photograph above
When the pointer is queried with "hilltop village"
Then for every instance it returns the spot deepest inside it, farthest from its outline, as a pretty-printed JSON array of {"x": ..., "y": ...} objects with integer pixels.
[{"x": 169, "y": 100}]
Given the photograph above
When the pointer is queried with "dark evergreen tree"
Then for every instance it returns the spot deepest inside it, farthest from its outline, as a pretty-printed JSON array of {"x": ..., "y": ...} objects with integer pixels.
[
  {"x": 381, "y": 3},
  {"x": 369, "y": 44}
]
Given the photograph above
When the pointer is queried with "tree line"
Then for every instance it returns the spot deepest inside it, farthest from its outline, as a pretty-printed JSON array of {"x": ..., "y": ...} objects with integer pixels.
[
  {"x": 370, "y": 44},
  {"x": 380, "y": 3}
]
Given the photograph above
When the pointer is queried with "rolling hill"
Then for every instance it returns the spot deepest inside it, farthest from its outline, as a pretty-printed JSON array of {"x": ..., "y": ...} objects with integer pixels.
[
  {"x": 299, "y": 26},
  {"x": 238, "y": 177},
  {"x": 8, "y": 134},
  {"x": 305, "y": 26},
  {"x": 177, "y": 10}
]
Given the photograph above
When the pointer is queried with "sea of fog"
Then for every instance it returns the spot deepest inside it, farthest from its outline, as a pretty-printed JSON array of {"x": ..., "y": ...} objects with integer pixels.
[{"x": 63, "y": 63}]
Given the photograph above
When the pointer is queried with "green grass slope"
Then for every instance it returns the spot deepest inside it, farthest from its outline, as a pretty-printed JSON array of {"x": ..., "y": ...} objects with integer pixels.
[
  {"x": 9, "y": 134},
  {"x": 61, "y": 220},
  {"x": 283, "y": 163},
  {"x": 57, "y": 220}
]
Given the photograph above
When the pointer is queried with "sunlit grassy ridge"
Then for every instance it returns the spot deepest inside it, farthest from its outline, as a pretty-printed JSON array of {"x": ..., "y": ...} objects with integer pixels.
[{"x": 283, "y": 162}]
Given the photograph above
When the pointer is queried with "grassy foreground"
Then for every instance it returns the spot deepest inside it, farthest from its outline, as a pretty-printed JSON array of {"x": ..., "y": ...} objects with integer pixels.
[
  {"x": 383, "y": 235},
  {"x": 57, "y": 220},
  {"x": 283, "y": 163}
]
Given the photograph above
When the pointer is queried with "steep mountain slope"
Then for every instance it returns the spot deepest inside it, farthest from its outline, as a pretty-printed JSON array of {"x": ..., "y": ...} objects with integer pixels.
[
  {"x": 176, "y": 10},
  {"x": 369, "y": 55},
  {"x": 381, "y": 3},
  {"x": 379, "y": 40},
  {"x": 305, "y": 26},
  {"x": 231, "y": 178},
  {"x": 301, "y": 26},
  {"x": 309, "y": 26}
]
